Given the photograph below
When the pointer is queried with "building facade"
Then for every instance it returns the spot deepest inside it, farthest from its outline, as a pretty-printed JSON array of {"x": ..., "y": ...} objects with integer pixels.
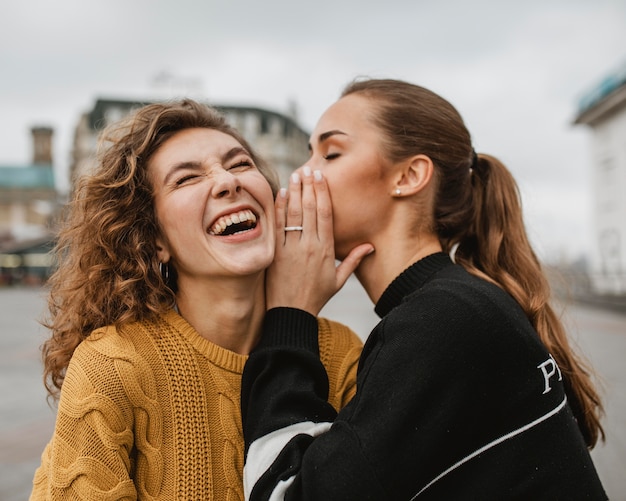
[
  {"x": 603, "y": 111},
  {"x": 28, "y": 196},
  {"x": 28, "y": 204},
  {"x": 276, "y": 137}
]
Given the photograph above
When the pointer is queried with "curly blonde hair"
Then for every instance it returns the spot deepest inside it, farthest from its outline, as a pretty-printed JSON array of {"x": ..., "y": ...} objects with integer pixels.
[{"x": 107, "y": 270}]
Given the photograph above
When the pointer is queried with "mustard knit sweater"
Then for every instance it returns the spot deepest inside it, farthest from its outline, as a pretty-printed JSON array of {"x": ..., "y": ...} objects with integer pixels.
[{"x": 152, "y": 412}]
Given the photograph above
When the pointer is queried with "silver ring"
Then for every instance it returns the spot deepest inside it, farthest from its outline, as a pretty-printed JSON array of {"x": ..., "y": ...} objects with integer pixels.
[{"x": 293, "y": 228}]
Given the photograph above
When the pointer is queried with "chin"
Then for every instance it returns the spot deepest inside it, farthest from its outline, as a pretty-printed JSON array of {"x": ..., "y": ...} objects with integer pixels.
[
  {"x": 256, "y": 265},
  {"x": 340, "y": 254},
  {"x": 343, "y": 248}
]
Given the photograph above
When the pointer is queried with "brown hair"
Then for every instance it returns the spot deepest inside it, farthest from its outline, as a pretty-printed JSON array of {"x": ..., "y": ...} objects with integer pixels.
[
  {"x": 477, "y": 216},
  {"x": 107, "y": 267}
]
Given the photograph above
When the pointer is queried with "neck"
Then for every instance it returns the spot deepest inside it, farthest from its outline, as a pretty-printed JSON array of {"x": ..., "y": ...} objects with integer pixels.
[
  {"x": 228, "y": 313},
  {"x": 392, "y": 257}
]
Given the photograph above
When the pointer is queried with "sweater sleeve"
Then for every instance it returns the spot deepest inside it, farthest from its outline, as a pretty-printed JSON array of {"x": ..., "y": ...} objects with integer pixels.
[
  {"x": 89, "y": 454},
  {"x": 284, "y": 397},
  {"x": 285, "y": 411}
]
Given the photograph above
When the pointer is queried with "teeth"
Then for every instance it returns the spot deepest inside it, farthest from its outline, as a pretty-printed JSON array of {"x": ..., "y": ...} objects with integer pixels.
[{"x": 235, "y": 218}]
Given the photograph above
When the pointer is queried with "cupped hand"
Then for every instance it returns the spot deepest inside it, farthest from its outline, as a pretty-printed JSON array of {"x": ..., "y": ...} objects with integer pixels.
[{"x": 304, "y": 273}]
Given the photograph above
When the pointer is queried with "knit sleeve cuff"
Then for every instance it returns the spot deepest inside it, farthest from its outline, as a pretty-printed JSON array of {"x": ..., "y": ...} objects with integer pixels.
[{"x": 290, "y": 328}]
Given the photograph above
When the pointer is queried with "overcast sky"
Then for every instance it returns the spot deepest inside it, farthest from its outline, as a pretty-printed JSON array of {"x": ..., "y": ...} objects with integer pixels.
[{"x": 514, "y": 69}]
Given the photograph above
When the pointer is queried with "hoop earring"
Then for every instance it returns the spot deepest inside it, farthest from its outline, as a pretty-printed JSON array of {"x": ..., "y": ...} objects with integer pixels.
[{"x": 164, "y": 269}]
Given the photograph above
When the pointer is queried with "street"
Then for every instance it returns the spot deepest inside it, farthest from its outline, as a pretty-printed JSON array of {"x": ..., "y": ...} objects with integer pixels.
[{"x": 27, "y": 420}]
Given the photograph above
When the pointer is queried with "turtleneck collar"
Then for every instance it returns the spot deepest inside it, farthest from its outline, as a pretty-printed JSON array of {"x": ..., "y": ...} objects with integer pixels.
[{"x": 410, "y": 280}]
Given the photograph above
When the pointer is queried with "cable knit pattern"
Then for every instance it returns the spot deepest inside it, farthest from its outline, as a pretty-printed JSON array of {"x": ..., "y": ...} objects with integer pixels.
[{"x": 152, "y": 412}]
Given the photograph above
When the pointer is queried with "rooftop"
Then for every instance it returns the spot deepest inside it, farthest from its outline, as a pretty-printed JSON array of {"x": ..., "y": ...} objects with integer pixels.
[
  {"x": 597, "y": 98},
  {"x": 27, "y": 177},
  {"x": 98, "y": 117}
]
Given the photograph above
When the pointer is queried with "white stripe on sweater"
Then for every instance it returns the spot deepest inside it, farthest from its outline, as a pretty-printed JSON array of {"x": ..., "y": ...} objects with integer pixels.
[
  {"x": 264, "y": 451},
  {"x": 524, "y": 428}
]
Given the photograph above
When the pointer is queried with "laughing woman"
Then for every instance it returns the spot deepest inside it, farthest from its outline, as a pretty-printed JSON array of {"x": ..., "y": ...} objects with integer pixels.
[{"x": 158, "y": 298}]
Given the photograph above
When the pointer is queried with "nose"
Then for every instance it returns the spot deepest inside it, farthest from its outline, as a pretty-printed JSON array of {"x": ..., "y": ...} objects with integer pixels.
[
  {"x": 226, "y": 184},
  {"x": 315, "y": 161},
  {"x": 312, "y": 163}
]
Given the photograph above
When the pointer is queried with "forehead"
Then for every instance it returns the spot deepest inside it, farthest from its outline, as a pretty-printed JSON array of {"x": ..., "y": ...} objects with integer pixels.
[
  {"x": 194, "y": 142},
  {"x": 349, "y": 114}
]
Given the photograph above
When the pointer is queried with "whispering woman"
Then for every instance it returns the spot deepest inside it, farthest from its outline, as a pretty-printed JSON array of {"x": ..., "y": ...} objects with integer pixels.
[{"x": 468, "y": 387}]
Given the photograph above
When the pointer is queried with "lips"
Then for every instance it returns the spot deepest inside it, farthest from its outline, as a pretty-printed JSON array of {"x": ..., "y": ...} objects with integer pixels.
[{"x": 236, "y": 222}]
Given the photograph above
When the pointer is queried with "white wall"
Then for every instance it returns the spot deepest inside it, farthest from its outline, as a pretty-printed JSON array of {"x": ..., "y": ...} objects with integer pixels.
[{"x": 608, "y": 258}]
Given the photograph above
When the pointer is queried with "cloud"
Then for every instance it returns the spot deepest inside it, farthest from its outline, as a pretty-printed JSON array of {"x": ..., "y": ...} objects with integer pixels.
[{"x": 514, "y": 70}]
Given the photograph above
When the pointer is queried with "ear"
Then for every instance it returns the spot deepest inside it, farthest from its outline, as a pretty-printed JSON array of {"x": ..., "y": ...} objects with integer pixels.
[
  {"x": 414, "y": 175},
  {"x": 162, "y": 250}
]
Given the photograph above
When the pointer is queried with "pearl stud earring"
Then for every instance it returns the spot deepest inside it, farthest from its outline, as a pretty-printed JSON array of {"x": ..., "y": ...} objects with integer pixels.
[{"x": 398, "y": 191}]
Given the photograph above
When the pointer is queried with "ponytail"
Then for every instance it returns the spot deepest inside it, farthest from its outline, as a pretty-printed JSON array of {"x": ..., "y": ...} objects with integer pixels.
[{"x": 495, "y": 247}]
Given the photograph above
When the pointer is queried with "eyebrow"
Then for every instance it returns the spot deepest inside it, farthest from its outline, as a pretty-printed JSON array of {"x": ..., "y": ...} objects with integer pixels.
[
  {"x": 233, "y": 152},
  {"x": 327, "y": 135}
]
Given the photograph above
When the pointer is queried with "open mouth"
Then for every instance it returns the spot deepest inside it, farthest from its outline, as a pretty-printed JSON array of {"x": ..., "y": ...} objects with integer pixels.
[{"x": 234, "y": 223}]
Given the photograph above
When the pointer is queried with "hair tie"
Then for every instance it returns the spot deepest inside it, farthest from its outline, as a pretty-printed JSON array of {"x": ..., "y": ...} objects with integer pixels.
[{"x": 474, "y": 160}]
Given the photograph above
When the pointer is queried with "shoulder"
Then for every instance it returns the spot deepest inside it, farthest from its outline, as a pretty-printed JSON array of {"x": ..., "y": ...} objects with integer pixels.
[
  {"x": 110, "y": 343},
  {"x": 340, "y": 351},
  {"x": 123, "y": 342},
  {"x": 336, "y": 337},
  {"x": 462, "y": 318},
  {"x": 340, "y": 347},
  {"x": 454, "y": 297},
  {"x": 109, "y": 362}
]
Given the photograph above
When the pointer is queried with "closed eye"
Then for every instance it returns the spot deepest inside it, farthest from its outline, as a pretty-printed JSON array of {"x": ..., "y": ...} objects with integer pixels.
[
  {"x": 331, "y": 156},
  {"x": 242, "y": 165},
  {"x": 186, "y": 178}
]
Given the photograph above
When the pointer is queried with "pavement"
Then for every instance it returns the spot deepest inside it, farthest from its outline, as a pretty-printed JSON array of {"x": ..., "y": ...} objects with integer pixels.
[{"x": 26, "y": 419}]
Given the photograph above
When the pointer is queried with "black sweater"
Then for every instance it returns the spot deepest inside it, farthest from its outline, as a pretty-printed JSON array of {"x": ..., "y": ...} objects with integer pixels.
[{"x": 457, "y": 398}]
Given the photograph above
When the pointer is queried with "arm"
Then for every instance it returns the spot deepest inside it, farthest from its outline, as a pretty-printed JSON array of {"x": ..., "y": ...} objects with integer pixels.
[
  {"x": 285, "y": 410},
  {"x": 292, "y": 451},
  {"x": 274, "y": 413}
]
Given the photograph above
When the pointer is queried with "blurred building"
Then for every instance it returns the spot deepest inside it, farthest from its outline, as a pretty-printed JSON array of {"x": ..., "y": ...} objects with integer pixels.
[
  {"x": 276, "y": 137},
  {"x": 28, "y": 204},
  {"x": 603, "y": 110}
]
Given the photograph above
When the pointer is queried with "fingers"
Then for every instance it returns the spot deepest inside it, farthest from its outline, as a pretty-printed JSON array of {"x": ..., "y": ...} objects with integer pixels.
[
  {"x": 316, "y": 206},
  {"x": 280, "y": 206},
  {"x": 308, "y": 201},
  {"x": 309, "y": 204},
  {"x": 288, "y": 209},
  {"x": 294, "y": 203},
  {"x": 324, "y": 210}
]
